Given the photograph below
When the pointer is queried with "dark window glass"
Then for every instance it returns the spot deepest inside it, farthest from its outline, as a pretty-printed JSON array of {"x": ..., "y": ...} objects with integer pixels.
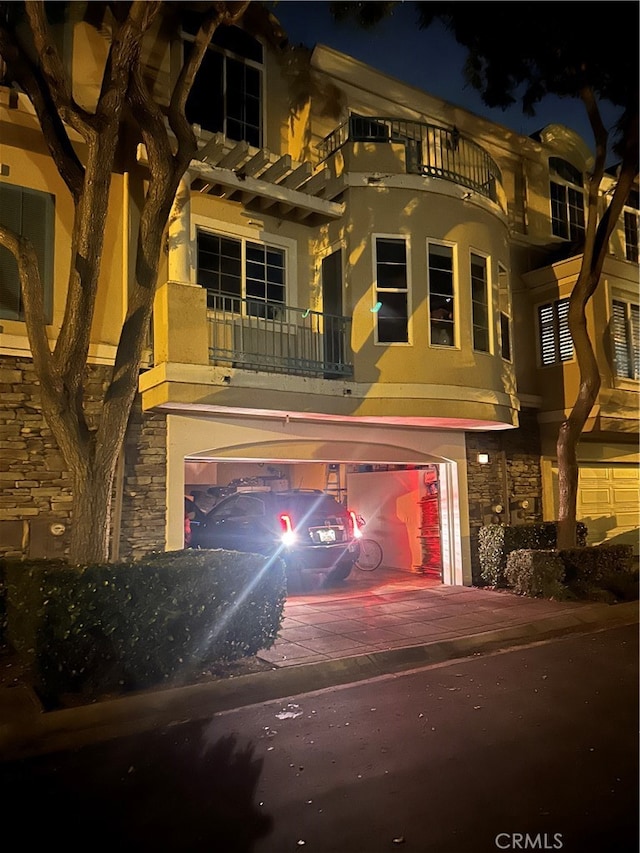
[
  {"x": 392, "y": 318},
  {"x": 566, "y": 171},
  {"x": 221, "y": 272},
  {"x": 505, "y": 336},
  {"x": 29, "y": 213},
  {"x": 479, "y": 303},
  {"x": 391, "y": 290},
  {"x": 227, "y": 92},
  {"x": 441, "y": 302},
  {"x": 567, "y": 200},
  {"x": 631, "y": 236}
]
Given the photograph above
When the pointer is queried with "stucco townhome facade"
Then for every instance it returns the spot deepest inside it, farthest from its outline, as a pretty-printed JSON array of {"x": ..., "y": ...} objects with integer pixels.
[{"x": 363, "y": 289}]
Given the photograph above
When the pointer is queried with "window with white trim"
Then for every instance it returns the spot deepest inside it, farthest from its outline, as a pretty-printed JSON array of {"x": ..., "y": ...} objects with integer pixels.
[
  {"x": 480, "y": 302},
  {"x": 391, "y": 308},
  {"x": 226, "y": 95},
  {"x": 28, "y": 213},
  {"x": 567, "y": 200},
  {"x": 631, "y": 217},
  {"x": 625, "y": 334},
  {"x": 441, "y": 303},
  {"x": 238, "y": 271},
  {"x": 505, "y": 313},
  {"x": 556, "y": 343}
]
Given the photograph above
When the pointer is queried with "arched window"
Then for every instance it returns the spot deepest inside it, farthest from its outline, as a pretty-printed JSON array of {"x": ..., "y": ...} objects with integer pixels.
[{"x": 567, "y": 200}]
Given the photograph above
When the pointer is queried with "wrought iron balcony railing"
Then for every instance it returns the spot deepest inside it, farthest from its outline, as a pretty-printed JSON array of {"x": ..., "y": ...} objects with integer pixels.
[
  {"x": 254, "y": 334},
  {"x": 435, "y": 151}
]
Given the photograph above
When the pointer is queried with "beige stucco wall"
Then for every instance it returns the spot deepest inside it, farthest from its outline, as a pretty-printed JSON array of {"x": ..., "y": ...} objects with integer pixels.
[{"x": 28, "y": 164}]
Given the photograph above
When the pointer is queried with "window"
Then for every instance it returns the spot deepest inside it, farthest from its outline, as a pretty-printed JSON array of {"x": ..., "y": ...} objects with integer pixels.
[
  {"x": 625, "y": 327},
  {"x": 233, "y": 269},
  {"x": 631, "y": 227},
  {"x": 392, "y": 291},
  {"x": 441, "y": 296},
  {"x": 227, "y": 92},
  {"x": 556, "y": 344},
  {"x": 479, "y": 303},
  {"x": 31, "y": 214},
  {"x": 505, "y": 313},
  {"x": 567, "y": 200}
]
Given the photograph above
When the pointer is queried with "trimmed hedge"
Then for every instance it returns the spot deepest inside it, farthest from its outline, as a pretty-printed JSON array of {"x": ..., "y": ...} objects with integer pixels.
[
  {"x": 595, "y": 573},
  {"x": 539, "y": 574},
  {"x": 132, "y": 625},
  {"x": 497, "y": 541},
  {"x": 603, "y": 572}
]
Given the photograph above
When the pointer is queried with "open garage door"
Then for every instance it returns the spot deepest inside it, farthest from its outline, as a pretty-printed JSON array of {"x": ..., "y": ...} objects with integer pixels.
[{"x": 208, "y": 456}]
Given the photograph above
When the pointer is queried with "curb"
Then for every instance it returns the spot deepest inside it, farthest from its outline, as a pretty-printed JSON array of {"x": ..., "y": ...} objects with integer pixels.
[{"x": 42, "y": 733}]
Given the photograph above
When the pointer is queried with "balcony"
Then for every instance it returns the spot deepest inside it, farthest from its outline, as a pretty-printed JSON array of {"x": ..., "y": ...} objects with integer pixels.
[
  {"x": 271, "y": 337},
  {"x": 430, "y": 150}
]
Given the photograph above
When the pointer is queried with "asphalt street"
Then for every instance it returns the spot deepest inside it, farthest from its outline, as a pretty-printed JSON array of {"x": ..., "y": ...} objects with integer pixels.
[{"x": 535, "y": 746}]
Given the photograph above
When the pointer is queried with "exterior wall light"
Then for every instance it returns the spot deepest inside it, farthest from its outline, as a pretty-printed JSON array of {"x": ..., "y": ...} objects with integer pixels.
[{"x": 483, "y": 458}]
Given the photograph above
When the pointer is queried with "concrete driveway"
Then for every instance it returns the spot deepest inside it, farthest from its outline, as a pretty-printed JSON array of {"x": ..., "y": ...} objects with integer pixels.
[{"x": 390, "y": 609}]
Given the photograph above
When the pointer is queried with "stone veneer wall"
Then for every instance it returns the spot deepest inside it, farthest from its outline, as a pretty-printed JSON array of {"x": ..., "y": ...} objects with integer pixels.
[
  {"x": 512, "y": 474},
  {"x": 36, "y": 490}
]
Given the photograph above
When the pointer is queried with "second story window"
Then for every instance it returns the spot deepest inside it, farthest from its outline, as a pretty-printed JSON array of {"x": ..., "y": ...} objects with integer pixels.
[
  {"x": 29, "y": 213},
  {"x": 625, "y": 332},
  {"x": 234, "y": 270},
  {"x": 505, "y": 313},
  {"x": 392, "y": 291},
  {"x": 631, "y": 227},
  {"x": 441, "y": 297},
  {"x": 567, "y": 200},
  {"x": 556, "y": 344},
  {"x": 227, "y": 92},
  {"x": 480, "y": 303}
]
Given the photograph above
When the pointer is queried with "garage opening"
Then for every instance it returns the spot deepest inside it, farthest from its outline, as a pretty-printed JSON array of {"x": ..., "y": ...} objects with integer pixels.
[{"x": 403, "y": 506}]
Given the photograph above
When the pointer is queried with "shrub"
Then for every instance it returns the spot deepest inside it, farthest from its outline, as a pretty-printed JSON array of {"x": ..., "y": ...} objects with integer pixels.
[
  {"x": 539, "y": 574},
  {"x": 602, "y": 572},
  {"x": 99, "y": 628},
  {"x": 497, "y": 541}
]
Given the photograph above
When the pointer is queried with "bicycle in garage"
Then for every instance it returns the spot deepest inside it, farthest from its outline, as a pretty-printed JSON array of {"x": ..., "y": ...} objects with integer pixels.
[{"x": 370, "y": 551}]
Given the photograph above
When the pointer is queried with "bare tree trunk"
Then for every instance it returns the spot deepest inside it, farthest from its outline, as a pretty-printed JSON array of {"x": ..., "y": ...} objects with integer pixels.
[
  {"x": 598, "y": 234},
  {"x": 92, "y": 495}
]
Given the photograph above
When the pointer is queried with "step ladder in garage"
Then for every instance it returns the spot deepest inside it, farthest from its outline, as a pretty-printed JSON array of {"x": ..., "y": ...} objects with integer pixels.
[{"x": 333, "y": 482}]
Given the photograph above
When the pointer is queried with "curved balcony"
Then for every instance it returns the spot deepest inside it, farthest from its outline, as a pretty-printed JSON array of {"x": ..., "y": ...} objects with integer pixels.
[{"x": 430, "y": 150}]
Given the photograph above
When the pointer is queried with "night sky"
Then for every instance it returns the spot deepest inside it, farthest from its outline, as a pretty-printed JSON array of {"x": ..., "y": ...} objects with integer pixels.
[{"x": 429, "y": 59}]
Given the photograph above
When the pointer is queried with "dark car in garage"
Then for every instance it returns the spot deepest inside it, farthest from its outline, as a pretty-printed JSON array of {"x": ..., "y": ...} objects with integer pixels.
[{"x": 309, "y": 529}]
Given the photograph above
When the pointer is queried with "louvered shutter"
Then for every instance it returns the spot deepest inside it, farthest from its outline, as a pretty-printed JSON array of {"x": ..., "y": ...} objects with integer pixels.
[
  {"x": 619, "y": 335},
  {"x": 565, "y": 341},
  {"x": 547, "y": 334},
  {"x": 635, "y": 339}
]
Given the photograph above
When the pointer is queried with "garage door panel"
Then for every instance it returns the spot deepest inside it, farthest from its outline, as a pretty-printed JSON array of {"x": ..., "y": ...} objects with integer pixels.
[
  {"x": 632, "y": 473},
  {"x": 625, "y": 496},
  {"x": 595, "y": 497},
  {"x": 608, "y": 502}
]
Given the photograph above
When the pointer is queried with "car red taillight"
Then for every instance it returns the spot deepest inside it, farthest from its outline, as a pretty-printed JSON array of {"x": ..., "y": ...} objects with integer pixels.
[
  {"x": 288, "y": 534},
  {"x": 355, "y": 527}
]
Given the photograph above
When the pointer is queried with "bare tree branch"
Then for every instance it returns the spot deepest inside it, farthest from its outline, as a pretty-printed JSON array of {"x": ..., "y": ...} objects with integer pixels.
[
  {"x": 30, "y": 79},
  {"x": 53, "y": 70}
]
